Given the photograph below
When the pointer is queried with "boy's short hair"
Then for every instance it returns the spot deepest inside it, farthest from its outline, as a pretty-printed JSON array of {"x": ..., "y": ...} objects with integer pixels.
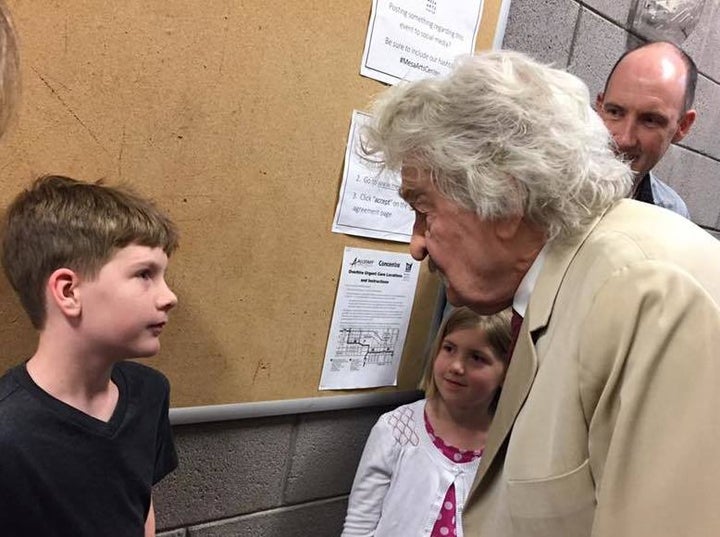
[
  {"x": 61, "y": 222},
  {"x": 497, "y": 332}
]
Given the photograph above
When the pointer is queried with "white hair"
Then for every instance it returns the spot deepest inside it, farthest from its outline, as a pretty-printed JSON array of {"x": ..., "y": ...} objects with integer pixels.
[{"x": 504, "y": 135}]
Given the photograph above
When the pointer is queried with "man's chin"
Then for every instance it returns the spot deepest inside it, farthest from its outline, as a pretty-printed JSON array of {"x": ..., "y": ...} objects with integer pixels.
[
  {"x": 481, "y": 308},
  {"x": 454, "y": 299},
  {"x": 637, "y": 167},
  {"x": 633, "y": 162}
]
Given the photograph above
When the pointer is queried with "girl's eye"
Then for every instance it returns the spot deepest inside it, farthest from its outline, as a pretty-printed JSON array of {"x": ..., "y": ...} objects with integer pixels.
[
  {"x": 447, "y": 347},
  {"x": 479, "y": 358}
]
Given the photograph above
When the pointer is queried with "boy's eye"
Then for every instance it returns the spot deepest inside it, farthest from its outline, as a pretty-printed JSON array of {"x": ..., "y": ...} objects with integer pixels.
[{"x": 145, "y": 274}]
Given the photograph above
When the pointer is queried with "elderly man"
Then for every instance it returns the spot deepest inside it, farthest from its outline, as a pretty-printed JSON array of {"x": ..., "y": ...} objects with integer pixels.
[
  {"x": 646, "y": 105},
  {"x": 609, "y": 422}
]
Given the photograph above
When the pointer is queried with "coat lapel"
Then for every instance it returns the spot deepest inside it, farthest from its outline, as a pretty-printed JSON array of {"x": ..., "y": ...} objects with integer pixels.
[
  {"x": 524, "y": 361},
  {"x": 518, "y": 381}
]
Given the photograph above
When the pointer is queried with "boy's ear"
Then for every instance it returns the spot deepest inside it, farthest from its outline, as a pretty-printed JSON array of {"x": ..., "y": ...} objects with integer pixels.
[{"x": 62, "y": 288}]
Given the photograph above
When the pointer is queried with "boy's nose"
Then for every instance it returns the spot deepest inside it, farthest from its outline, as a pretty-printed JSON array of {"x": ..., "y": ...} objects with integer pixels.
[{"x": 168, "y": 299}]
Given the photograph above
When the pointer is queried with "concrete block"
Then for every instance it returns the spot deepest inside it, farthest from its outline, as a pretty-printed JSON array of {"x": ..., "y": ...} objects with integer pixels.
[
  {"x": 542, "y": 28},
  {"x": 318, "y": 519},
  {"x": 598, "y": 45},
  {"x": 226, "y": 469},
  {"x": 703, "y": 42},
  {"x": 616, "y": 10},
  {"x": 327, "y": 449},
  {"x": 697, "y": 179},
  {"x": 703, "y": 135}
]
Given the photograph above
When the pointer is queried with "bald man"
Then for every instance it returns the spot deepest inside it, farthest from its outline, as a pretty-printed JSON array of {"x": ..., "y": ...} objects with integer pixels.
[{"x": 647, "y": 105}]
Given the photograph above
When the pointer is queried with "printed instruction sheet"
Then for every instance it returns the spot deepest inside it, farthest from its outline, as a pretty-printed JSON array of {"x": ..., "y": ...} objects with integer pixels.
[
  {"x": 370, "y": 320},
  {"x": 411, "y": 39},
  {"x": 369, "y": 204}
]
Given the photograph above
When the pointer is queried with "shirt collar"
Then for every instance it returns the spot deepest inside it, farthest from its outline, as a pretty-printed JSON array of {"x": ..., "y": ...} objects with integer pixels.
[{"x": 525, "y": 289}]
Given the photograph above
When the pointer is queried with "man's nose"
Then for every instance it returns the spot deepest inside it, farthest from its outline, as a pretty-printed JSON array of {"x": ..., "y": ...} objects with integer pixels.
[
  {"x": 625, "y": 135},
  {"x": 418, "y": 248}
]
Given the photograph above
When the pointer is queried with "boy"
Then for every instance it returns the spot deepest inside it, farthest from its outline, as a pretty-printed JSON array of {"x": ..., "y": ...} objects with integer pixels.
[{"x": 84, "y": 434}]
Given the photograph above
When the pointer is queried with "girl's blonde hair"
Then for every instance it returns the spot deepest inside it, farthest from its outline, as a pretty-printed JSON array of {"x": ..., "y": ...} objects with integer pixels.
[{"x": 495, "y": 327}]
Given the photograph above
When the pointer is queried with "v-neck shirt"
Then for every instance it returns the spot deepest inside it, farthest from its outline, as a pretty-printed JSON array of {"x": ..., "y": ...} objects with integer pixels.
[{"x": 66, "y": 473}]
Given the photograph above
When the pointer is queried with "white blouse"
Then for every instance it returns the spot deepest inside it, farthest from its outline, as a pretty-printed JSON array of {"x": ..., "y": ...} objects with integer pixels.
[{"x": 402, "y": 479}]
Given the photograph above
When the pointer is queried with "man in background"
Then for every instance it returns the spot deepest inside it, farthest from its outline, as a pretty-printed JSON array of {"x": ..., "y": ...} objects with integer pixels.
[{"x": 647, "y": 105}]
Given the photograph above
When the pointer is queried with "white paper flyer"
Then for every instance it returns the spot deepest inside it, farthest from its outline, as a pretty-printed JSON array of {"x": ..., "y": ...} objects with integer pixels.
[{"x": 370, "y": 320}]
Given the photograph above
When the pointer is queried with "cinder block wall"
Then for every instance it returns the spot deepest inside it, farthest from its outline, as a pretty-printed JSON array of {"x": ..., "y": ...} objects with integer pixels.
[
  {"x": 272, "y": 477},
  {"x": 290, "y": 476},
  {"x": 587, "y": 38}
]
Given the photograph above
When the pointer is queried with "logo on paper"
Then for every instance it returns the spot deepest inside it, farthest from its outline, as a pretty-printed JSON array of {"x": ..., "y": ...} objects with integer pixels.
[{"x": 362, "y": 262}]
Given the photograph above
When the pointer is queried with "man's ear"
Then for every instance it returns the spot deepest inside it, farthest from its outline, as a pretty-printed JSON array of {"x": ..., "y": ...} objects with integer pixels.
[
  {"x": 684, "y": 125},
  {"x": 62, "y": 292},
  {"x": 599, "y": 101},
  {"x": 508, "y": 227}
]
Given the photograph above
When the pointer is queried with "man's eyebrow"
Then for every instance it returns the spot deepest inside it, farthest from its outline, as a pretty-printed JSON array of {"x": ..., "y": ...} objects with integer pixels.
[
  {"x": 657, "y": 117},
  {"x": 408, "y": 193},
  {"x": 611, "y": 104}
]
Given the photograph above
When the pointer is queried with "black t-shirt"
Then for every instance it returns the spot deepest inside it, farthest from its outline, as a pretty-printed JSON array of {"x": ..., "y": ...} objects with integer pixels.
[{"x": 64, "y": 473}]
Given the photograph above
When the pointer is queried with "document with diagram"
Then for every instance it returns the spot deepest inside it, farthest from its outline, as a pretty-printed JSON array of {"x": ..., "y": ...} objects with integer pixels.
[{"x": 370, "y": 319}]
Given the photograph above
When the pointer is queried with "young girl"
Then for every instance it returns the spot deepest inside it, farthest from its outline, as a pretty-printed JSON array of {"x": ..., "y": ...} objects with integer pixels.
[{"x": 420, "y": 459}]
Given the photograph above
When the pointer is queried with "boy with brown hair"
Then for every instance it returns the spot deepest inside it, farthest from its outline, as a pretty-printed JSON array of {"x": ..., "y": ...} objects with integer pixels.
[{"x": 84, "y": 434}]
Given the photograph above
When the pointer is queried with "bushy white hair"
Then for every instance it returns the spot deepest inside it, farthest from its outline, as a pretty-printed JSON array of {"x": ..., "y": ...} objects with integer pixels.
[{"x": 504, "y": 135}]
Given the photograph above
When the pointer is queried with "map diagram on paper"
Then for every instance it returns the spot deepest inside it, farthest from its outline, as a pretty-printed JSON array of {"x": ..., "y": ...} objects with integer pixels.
[
  {"x": 370, "y": 319},
  {"x": 364, "y": 346}
]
